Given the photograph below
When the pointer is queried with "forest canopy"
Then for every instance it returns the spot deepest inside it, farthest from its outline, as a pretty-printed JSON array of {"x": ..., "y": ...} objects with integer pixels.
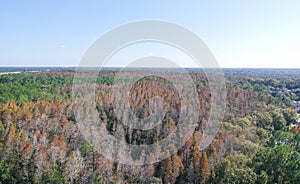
[{"x": 258, "y": 142}]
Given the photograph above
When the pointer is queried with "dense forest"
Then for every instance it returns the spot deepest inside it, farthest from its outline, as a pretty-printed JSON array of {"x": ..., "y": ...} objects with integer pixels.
[{"x": 40, "y": 141}]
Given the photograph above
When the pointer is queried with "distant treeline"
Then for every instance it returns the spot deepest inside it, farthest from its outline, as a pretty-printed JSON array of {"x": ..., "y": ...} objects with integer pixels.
[{"x": 276, "y": 73}]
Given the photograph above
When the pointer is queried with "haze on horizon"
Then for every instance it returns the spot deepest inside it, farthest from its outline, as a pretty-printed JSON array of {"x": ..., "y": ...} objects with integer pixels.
[{"x": 241, "y": 34}]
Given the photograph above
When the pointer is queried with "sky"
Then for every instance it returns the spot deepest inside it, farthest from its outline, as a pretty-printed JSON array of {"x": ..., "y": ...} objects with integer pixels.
[{"x": 240, "y": 34}]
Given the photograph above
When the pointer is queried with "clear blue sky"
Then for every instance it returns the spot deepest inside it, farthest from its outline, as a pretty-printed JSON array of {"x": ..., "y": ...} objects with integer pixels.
[{"x": 244, "y": 33}]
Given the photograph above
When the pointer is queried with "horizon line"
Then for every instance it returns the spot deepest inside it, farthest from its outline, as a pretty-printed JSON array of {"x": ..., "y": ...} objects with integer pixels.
[{"x": 192, "y": 67}]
